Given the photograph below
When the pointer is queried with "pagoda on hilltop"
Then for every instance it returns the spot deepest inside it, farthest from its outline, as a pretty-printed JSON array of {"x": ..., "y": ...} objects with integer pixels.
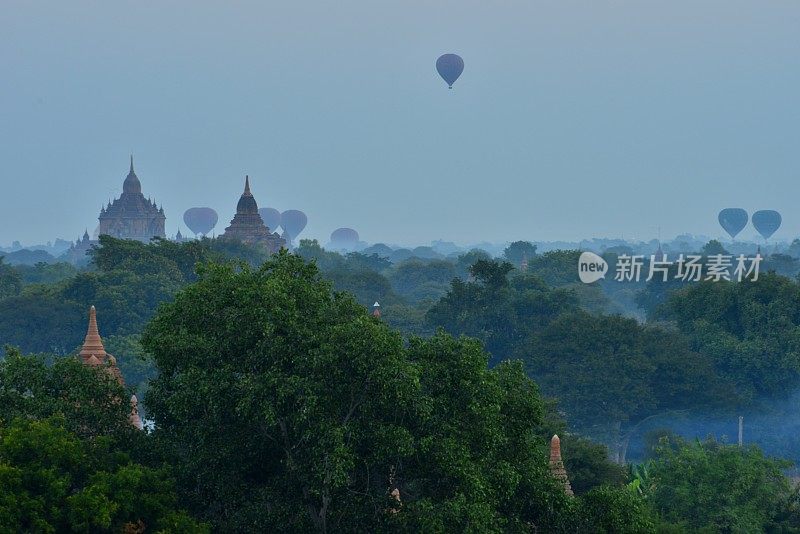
[
  {"x": 94, "y": 354},
  {"x": 247, "y": 225},
  {"x": 132, "y": 216}
]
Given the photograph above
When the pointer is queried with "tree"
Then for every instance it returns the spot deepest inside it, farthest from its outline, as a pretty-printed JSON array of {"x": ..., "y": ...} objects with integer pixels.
[
  {"x": 417, "y": 279},
  {"x": 10, "y": 280},
  {"x": 588, "y": 465},
  {"x": 52, "y": 481},
  {"x": 556, "y": 267},
  {"x": 714, "y": 247},
  {"x": 465, "y": 261},
  {"x": 285, "y": 406},
  {"x": 310, "y": 249},
  {"x": 518, "y": 251},
  {"x": 748, "y": 329},
  {"x": 498, "y": 311},
  {"x": 611, "y": 510},
  {"x": 610, "y": 374},
  {"x": 365, "y": 285},
  {"x": 42, "y": 323},
  {"x": 45, "y": 273},
  {"x": 89, "y": 400},
  {"x": 714, "y": 487}
]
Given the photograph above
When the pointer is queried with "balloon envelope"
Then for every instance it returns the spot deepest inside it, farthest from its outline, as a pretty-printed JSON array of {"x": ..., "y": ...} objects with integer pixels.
[
  {"x": 344, "y": 235},
  {"x": 733, "y": 220},
  {"x": 450, "y": 67},
  {"x": 200, "y": 220},
  {"x": 767, "y": 222},
  {"x": 271, "y": 217},
  {"x": 293, "y": 222}
]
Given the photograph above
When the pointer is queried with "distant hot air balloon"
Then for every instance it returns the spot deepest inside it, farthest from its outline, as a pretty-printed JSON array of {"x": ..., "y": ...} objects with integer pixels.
[
  {"x": 200, "y": 220},
  {"x": 271, "y": 217},
  {"x": 733, "y": 220},
  {"x": 344, "y": 236},
  {"x": 293, "y": 222},
  {"x": 450, "y": 67},
  {"x": 766, "y": 222}
]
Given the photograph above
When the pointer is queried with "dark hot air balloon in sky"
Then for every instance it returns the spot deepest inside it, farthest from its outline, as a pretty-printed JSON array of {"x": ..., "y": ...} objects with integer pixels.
[
  {"x": 344, "y": 236},
  {"x": 767, "y": 222},
  {"x": 293, "y": 222},
  {"x": 200, "y": 220},
  {"x": 271, "y": 217},
  {"x": 733, "y": 220},
  {"x": 450, "y": 67}
]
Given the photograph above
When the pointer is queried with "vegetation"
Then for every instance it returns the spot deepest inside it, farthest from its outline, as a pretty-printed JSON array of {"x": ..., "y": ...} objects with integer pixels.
[{"x": 279, "y": 403}]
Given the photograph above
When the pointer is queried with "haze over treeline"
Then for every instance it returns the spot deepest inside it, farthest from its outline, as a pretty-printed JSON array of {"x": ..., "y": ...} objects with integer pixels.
[{"x": 571, "y": 120}]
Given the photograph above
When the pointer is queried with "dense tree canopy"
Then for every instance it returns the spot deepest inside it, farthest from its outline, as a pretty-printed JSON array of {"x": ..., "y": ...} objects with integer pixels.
[
  {"x": 287, "y": 407},
  {"x": 66, "y": 449},
  {"x": 712, "y": 487},
  {"x": 518, "y": 251},
  {"x": 10, "y": 280},
  {"x": 750, "y": 330}
]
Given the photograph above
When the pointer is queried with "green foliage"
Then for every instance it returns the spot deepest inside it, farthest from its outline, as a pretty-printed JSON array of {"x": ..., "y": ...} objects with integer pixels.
[
  {"x": 499, "y": 312},
  {"x": 87, "y": 398},
  {"x": 52, "y": 481},
  {"x": 750, "y": 330},
  {"x": 556, "y": 267},
  {"x": 41, "y": 322},
  {"x": 366, "y": 286},
  {"x": 714, "y": 247},
  {"x": 612, "y": 510},
  {"x": 719, "y": 488},
  {"x": 610, "y": 372},
  {"x": 10, "y": 280},
  {"x": 519, "y": 250},
  {"x": 465, "y": 261},
  {"x": 588, "y": 465},
  {"x": 419, "y": 280},
  {"x": 286, "y": 407},
  {"x": 45, "y": 273},
  {"x": 136, "y": 366},
  {"x": 326, "y": 261}
]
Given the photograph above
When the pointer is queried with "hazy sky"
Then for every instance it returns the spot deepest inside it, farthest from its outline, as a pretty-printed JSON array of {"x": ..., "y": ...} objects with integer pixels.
[{"x": 571, "y": 120}]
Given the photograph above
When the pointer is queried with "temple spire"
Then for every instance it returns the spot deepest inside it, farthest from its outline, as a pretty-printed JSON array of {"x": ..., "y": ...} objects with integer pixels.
[
  {"x": 247, "y": 185},
  {"x": 557, "y": 465},
  {"x": 134, "y": 418},
  {"x": 131, "y": 163},
  {"x": 92, "y": 344}
]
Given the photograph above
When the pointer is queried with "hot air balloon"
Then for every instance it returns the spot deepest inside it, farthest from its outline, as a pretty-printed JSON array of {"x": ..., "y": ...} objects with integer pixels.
[
  {"x": 271, "y": 217},
  {"x": 733, "y": 220},
  {"x": 344, "y": 236},
  {"x": 293, "y": 222},
  {"x": 767, "y": 222},
  {"x": 200, "y": 220},
  {"x": 450, "y": 67}
]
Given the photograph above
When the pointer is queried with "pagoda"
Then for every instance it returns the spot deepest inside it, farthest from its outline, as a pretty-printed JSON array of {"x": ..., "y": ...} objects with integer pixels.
[
  {"x": 247, "y": 225},
  {"x": 557, "y": 465},
  {"x": 132, "y": 216},
  {"x": 94, "y": 354}
]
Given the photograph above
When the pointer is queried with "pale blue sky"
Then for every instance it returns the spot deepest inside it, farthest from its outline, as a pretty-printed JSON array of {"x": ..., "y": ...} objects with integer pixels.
[{"x": 571, "y": 120}]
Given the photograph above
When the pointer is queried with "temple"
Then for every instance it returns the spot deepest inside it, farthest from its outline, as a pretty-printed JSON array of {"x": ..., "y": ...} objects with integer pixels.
[
  {"x": 77, "y": 252},
  {"x": 557, "y": 465},
  {"x": 247, "y": 225},
  {"x": 94, "y": 353},
  {"x": 132, "y": 216}
]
